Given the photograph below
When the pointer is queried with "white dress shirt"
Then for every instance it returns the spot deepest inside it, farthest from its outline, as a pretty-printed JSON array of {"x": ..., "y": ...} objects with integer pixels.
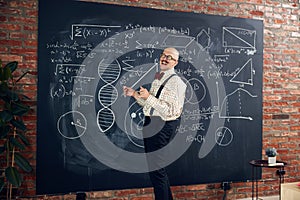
[{"x": 169, "y": 105}]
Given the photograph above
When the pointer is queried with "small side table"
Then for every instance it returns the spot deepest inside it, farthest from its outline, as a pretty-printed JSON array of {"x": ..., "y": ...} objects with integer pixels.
[{"x": 279, "y": 165}]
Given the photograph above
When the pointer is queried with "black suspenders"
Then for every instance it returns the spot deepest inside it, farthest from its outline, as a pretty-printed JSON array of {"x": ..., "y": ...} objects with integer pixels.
[
  {"x": 160, "y": 89},
  {"x": 163, "y": 85}
]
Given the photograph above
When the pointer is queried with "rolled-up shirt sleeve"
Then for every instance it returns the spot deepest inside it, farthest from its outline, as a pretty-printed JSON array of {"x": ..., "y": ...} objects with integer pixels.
[{"x": 141, "y": 102}]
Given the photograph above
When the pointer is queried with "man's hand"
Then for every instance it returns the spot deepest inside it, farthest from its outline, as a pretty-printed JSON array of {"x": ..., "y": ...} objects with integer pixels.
[
  {"x": 128, "y": 91},
  {"x": 144, "y": 94}
]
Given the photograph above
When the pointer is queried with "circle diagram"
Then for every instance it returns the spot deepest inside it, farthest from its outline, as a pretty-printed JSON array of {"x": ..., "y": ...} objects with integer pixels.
[
  {"x": 69, "y": 121},
  {"x": 224, "y": 136}
]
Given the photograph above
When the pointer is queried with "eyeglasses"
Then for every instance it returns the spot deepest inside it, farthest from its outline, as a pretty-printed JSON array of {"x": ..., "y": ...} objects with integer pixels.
[{"x": 168, "y": 57}]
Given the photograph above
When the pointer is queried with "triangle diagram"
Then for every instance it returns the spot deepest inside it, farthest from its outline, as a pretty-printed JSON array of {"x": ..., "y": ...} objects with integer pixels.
[
  {"x": 232, "y": 38},
  {"x": 244, "y": 75}
]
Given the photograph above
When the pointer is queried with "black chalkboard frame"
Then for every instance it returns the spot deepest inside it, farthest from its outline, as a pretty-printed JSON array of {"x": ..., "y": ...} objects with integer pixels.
[{"x": 218, "y": 163}]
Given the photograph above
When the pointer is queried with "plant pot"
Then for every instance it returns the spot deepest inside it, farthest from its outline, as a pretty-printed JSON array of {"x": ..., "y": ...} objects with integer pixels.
[{"x": 272, "y": 160}]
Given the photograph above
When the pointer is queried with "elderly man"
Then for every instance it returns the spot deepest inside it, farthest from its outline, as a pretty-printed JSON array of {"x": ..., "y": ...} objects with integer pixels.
[{"x": 162, "y": 107}]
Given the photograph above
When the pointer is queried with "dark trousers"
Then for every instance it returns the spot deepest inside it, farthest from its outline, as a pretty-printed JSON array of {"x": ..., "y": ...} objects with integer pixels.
[{"x": 157, "y": 134}]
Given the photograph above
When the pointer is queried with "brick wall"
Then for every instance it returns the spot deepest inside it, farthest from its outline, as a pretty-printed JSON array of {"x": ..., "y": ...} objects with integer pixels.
[{"x": 281, "y": 84}]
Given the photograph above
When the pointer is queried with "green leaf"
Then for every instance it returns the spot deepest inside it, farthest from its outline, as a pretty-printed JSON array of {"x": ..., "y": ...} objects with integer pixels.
[
  {"x": 22, "y": 162},
  {"x": 19, "y": 109},
  {"x": 5, "y": 74},
  {"x": 4, "y": 131},
  {"x": 2, "y": 183},
  {"x": 12, "y": 95},
  {"x": 23, "y": 138},
  {"x": 18, "y": 124},
  {"x": 14, "y": 142},
  {"x": 5, "y": 116},
  {"x": 12, "y": 66},
  {"x": 7, "y": 95},
  {"x": 13, "y": 176},
  {"x": 3, "y": 89}
]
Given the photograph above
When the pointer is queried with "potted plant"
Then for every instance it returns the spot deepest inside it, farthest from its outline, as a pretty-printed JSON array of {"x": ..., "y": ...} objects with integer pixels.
[
  {"x": 271, "y": 153},
  {"x": 12, "y": 130}
]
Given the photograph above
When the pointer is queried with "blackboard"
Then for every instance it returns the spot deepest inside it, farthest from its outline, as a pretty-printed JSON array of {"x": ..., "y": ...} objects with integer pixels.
[{"x": 89, "y": 135}]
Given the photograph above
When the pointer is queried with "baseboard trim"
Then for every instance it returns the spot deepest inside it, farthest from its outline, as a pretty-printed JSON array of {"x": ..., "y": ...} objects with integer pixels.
[{"x": 265, "y": 198}]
